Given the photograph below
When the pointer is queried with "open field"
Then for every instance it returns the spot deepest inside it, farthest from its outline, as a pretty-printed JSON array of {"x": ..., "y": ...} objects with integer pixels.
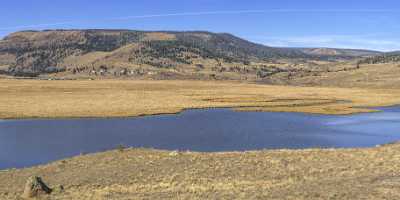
[
  {"x": 150, "y": 174},
  {"x": 121, "y": 98},
  {"x": 282, "y": 174}
]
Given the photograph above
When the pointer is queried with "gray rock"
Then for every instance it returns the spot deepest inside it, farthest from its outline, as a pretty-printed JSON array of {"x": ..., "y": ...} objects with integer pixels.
[{"x": 35, "y": 187}]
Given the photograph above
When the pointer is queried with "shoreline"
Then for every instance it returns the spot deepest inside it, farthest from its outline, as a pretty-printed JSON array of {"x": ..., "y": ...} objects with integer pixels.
[
  {"x": 236, "y": 109},
  {"x": 365, "y": 110},
  {"x": 272, "y": 174},
  {"x": 394, "y": 143}
]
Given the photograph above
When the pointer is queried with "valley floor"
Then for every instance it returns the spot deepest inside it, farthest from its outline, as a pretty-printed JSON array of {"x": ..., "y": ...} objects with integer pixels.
[
  {"x": 149, "y": 174},
  {"x": 122, "y": 98}
]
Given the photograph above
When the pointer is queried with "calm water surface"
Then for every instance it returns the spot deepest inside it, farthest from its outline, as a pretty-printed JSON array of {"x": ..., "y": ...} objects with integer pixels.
[{"x": 25, "y": 143}]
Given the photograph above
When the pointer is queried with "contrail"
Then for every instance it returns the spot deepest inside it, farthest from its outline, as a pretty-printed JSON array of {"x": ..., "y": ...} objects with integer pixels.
[
  {"x": 258, "y": 11},
  {"x": 223, "y": 12}
]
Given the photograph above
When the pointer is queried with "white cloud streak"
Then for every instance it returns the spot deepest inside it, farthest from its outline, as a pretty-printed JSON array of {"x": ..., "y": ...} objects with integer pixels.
[{"x": 221, "y": 12}]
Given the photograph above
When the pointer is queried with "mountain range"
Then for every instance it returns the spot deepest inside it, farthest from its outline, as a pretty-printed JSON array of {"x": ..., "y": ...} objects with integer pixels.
[{"x": 140, "y": 53}]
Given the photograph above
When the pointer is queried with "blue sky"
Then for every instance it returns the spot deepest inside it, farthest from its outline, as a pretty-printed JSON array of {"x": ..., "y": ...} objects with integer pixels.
[{"x": 367, "y": 24}]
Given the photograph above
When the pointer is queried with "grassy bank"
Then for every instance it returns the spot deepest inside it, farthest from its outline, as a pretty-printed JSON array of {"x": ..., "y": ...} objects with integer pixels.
[
  {"x": 121, "y": 98},
  {"x": 282, "y": 174}
]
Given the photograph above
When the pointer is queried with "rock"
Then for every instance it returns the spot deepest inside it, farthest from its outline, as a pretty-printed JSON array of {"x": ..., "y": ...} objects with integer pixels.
[
  {"x": 174, "y": 153},
  {"x": 35, "y": 187}
]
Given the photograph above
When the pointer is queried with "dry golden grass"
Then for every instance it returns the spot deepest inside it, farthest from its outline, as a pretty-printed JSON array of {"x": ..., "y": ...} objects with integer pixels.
[
  {"x": 281, "y": 174},
  {"x": 120, "y": 98},
  {"x": 368, "y": 76},
  {"x": 159, "y": 36}
]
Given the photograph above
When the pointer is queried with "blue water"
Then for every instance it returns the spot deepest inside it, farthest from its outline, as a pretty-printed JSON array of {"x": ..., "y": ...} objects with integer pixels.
[{"x": 25, "y": 143}]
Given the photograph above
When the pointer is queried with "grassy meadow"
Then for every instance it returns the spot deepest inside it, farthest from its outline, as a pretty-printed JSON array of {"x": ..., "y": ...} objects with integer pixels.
[{"x": 122, "y": 98}]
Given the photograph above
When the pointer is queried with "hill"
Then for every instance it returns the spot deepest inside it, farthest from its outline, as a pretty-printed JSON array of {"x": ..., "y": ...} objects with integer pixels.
[
  {"x": 59, "y": 50},
  {"x": 162, "y": 54},
  {"x": 344, "y": 53}
]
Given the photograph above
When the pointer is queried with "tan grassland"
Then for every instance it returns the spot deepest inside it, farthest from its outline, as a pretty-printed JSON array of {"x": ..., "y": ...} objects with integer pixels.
[
  {"x": 280, "y": 174},
  {"x": 122, "y": 98}
]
